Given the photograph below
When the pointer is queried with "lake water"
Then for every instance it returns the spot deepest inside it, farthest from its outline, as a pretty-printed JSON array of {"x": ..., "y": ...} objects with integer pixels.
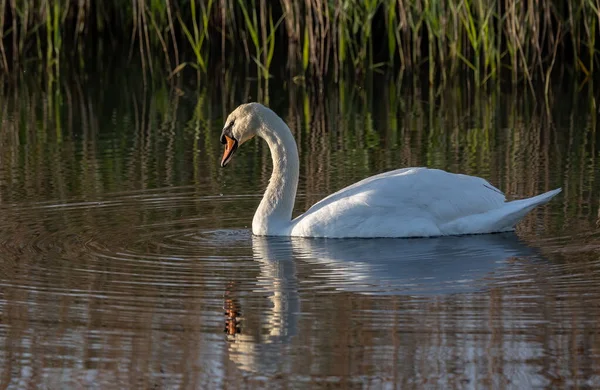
[{"x": 126, "y": 259}]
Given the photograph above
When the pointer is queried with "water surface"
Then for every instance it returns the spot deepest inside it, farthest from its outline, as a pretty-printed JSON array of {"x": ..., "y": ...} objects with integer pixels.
[{"x": 126, "y": 259}]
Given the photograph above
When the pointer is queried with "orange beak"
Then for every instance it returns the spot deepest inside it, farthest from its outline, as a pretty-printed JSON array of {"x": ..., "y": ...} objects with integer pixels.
[{"x": 230, "y": 147}]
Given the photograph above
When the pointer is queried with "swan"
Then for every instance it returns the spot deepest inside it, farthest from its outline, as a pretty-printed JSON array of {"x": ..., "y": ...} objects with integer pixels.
[{"x": 407, "y": 202}]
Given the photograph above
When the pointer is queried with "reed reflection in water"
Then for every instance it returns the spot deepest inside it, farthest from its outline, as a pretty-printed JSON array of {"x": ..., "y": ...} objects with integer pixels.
[{"x": 126, "y": 259}]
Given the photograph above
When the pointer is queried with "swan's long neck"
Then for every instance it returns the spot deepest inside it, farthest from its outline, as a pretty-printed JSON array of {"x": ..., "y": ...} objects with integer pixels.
[{"x": 274, "y": 214}]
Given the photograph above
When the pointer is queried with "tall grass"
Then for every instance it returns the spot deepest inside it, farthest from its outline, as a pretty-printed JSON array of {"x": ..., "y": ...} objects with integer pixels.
[{"x": 491, "y": 40}]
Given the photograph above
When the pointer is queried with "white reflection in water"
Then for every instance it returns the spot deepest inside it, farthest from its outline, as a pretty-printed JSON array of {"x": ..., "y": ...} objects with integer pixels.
[
  {"x": 427, "y": 266},
  {"x": 279, "y": 279},
  {"x": 440, "y": 266}
]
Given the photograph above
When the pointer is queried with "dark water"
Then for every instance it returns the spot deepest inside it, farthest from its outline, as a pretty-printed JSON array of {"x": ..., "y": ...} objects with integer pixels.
[{"x": 126, "y": 259}]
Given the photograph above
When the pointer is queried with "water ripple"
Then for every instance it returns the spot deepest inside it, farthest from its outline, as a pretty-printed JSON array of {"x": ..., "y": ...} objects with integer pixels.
[{"x": 176, "y": 262}]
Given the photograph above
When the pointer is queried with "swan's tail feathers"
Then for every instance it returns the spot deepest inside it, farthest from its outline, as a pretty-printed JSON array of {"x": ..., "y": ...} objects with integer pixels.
[
  {"x": 500, "y": 219},
  {"x": 536, "y": 200},
  {"x": 514, "y": 211}
]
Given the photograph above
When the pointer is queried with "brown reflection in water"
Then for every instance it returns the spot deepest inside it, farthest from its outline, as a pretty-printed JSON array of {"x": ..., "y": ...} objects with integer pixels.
[
  {"x": 233, "y": 314},
  {"x": 73, "y": 319}
]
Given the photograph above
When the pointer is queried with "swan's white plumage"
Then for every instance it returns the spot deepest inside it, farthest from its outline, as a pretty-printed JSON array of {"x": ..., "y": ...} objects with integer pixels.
[
  {"x": 402, "y": 203},
  {"x": 408, "y": 202}
]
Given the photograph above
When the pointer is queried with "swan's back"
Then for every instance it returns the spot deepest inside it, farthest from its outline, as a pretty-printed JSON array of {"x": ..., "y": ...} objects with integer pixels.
[{"x": 407, "y": 202}]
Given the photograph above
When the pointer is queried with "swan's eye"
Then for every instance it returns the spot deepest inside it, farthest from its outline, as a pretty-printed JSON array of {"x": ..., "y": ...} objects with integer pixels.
[{"x": 227, "y": 130}]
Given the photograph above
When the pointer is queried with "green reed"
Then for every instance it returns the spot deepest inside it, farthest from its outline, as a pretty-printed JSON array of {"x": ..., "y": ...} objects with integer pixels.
[{"x": 485, "y": 39}]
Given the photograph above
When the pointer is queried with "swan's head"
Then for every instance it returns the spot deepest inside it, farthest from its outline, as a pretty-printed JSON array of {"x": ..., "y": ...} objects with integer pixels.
[{"x": 241, "y": 125}]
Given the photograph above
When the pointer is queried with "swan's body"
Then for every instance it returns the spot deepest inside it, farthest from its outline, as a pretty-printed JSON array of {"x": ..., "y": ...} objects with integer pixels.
[
  {"x": 408, "y": 202},
  {"x": 414, "y": 202}
]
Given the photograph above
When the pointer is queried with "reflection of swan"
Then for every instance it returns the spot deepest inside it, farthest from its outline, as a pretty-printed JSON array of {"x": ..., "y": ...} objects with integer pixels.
[
  {"x": 415, "y": 266},
  {"x": 408, "y": 202},
  {"x": 278, "y": 279},
  {"x": 278, "y": 276},
  {"x": 386, "y": 266}
]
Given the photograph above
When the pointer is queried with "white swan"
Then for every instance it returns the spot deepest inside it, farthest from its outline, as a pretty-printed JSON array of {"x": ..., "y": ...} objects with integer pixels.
[{"x": 408, "y": 202}]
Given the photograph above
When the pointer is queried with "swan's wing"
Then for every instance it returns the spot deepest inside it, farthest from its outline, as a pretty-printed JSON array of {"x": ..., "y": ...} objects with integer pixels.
[{"x": 419, "y": 200}]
